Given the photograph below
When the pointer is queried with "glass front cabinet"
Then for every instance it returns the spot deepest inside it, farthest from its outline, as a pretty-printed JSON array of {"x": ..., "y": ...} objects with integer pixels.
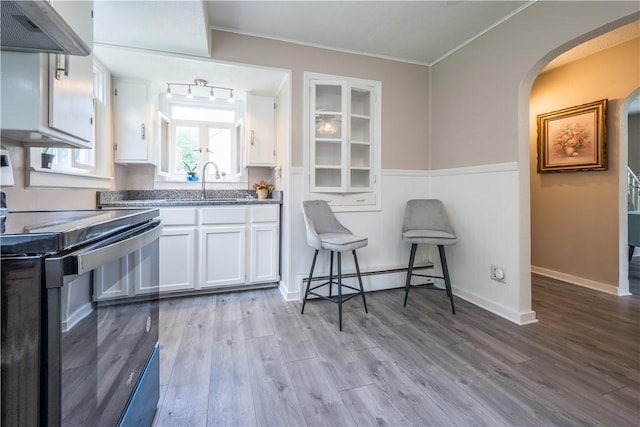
[{"x": 344, "y": 141}]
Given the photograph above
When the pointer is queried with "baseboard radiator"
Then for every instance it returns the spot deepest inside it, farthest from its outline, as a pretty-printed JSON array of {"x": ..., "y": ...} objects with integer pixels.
[{"x": 379, "y": 271}]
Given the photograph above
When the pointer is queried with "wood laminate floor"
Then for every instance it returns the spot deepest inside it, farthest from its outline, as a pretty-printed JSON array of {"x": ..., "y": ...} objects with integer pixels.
[{"x": 249, "y": 358}]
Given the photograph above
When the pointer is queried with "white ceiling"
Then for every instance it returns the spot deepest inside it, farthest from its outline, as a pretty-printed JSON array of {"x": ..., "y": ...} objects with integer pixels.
[
  {"x": 168, "y": 26},
  {"x": 420, "y": 32},
  {"x": 169, "y": 40},
  {"x": 131, "y": 36}
]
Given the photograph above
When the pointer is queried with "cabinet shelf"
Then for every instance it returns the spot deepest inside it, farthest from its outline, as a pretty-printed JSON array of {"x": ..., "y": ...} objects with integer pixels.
[
  {"x": 360, "y": 116},
  {"x": 335, "y": 167}
]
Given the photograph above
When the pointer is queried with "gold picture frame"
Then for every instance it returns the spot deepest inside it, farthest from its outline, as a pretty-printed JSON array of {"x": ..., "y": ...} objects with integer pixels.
[{"x": 573, "y": 139}]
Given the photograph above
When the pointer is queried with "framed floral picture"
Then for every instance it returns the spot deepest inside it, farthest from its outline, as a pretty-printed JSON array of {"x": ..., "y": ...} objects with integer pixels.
[{"x": 573, "y": 139}]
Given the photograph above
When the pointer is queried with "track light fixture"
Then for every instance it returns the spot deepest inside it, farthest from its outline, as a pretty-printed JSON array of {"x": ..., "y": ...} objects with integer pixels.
[{"x": 197, "y": 83}]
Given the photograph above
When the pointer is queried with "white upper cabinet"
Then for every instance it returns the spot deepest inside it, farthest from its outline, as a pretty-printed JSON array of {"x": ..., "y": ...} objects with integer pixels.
[
  {"x": 132, "y": 136},
  {"x": 47, "y": 99},
  {"x": 260, "y": 130},
  {"x": 344, "y": 140}
]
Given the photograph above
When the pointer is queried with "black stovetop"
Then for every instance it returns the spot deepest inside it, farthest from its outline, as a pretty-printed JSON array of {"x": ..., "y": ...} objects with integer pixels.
[{"x": 41, "y": 232}]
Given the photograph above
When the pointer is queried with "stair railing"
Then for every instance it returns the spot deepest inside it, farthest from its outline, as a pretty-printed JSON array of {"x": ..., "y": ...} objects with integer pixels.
[{"x": 633, "y": 190}]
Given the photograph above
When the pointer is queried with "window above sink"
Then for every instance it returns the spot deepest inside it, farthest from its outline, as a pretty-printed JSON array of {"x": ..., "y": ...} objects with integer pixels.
[{"x": 197, "y": 131}]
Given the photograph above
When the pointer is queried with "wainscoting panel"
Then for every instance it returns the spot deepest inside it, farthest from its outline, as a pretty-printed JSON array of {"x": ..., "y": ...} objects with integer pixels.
[{"x": 482, "y": 202}]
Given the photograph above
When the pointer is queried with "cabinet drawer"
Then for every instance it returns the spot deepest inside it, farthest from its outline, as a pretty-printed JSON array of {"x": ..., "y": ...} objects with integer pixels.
[
  {"x": 224, "y": 215},
  {"x": 178, "y": 216},
  {"x": 264, "y": 213},
  {"x": 347, "y": 199}
]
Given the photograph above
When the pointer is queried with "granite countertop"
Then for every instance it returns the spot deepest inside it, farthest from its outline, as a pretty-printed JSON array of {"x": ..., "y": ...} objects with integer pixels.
[{"x": 159, "y": 198}]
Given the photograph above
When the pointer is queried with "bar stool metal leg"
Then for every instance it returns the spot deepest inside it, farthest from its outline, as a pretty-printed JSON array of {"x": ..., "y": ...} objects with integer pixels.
[
  {"x": 409, "y": 272},
  {"x": 313, "y": 264},
  {"x": 340, "y": 288},
  {"x": 331, "y": 274},
  {"x": 364, "y": 301},
  {"x": 445, "y": 273}
]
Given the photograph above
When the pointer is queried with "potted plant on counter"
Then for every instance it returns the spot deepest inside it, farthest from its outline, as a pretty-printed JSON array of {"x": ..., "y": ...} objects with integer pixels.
[
  {"x": 262, "y": 188},
  {"x": 46, "y": 157},
  {"x": 191, "y": 170}
]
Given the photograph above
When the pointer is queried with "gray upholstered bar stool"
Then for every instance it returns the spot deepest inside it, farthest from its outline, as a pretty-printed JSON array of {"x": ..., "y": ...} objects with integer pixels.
[
  {"x": 324, "y": 231},
  {"x": 426, "y": 223}
]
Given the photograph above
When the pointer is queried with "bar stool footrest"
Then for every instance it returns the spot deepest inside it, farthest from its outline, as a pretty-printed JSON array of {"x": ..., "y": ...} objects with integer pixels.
[
  {"x": 427, "y": 286},
  {"x": 335, "y": 298}
]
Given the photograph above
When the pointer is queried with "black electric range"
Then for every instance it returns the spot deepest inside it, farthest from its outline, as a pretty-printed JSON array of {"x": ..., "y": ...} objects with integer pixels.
[
  {"x": 30, "y": 232},
  {"x": 80, "y": 317}
]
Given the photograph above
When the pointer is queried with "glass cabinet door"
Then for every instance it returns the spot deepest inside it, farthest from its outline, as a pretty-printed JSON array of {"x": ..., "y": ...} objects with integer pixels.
[
  {"x": 328, "y": 137},
  {"x": 360, "y": 139},
  {"x": 341, "y": 139}
]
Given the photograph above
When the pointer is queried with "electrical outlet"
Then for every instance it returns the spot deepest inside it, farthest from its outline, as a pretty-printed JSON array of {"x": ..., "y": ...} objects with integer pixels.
[{"x": 498, "y": 274}]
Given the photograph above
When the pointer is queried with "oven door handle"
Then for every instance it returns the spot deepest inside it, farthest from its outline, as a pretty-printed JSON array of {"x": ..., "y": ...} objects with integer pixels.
[{"x": 101, "y": 253}]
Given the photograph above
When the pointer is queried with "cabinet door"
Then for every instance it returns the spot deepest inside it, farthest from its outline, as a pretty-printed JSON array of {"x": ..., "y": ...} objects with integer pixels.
[
  {"x": 343, "y": 130},
  {"x": 264, "y": 244},
  {"x": 328, "y": 136},
  {"x": 260, "y": 131},
  {"x": 71, "y": 89},
  {"x": 177, "y": 258},
  {"x": 263, "y": 257},
  {"x": 111, "y": 281},
  {"x": 222, "y": 255},
  {"x": 360, "y": 176},
  {"x": 131, "y": 129}
]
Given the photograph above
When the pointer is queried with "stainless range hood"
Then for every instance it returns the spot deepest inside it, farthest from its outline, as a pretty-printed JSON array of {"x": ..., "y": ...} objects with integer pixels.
[{"x": 35, "y": 26}]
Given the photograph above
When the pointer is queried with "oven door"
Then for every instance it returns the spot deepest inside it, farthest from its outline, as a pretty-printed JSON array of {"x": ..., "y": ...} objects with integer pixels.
[{"x": 102, "y": 328}]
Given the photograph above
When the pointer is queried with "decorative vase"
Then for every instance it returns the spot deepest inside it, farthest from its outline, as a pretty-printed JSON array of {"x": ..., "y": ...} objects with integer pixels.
[
  {"x": 191, "y": 176},
  {"x": 262, "y": 193},
  {"x": 569, "y": 151},
  {"x": 46, "y": 160}
]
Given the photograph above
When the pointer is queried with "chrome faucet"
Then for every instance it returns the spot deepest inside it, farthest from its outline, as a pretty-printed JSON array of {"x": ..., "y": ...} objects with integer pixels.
[{"x": 204, "y": 177}]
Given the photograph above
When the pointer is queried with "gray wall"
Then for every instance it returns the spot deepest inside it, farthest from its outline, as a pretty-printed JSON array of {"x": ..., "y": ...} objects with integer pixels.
[
  {"x": 405, "y": 96},
  {"x": 478, "y": 114}
]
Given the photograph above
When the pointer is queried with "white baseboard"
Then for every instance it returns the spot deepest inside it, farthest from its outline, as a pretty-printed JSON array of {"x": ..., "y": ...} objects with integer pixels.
[
  {"x": 519, "y": 318},
  {"x": 575, "y": 280},
  {"x": 286, "y": 293}
]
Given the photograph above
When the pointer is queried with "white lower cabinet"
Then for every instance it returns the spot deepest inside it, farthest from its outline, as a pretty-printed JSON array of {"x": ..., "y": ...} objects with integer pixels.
[
  {"x": 124, "y": 277},
  {"x": 264, "y": 253},
  {"x": 112, "y": 280},
  {"x": 178, "y": 249},
  {"x": 222, "y": 246},
  {"x": 177, "y": 259},
  {"x": 210, "y": 247}
]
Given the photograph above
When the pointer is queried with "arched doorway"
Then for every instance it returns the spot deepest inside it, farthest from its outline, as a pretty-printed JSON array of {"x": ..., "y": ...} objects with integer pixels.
[{"x": 565, "y": 207}]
